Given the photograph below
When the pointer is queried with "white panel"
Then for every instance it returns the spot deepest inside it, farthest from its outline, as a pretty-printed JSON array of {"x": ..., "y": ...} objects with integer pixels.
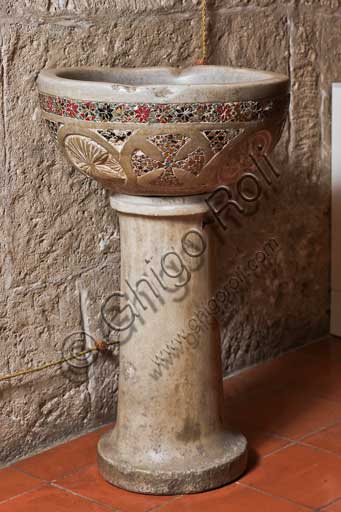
[{"x": 336, "y": 212}]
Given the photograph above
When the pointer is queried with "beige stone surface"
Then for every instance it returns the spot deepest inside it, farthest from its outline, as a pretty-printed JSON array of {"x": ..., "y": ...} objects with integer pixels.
[
  {"x": 178, "y": 156},
  {"x": 59, "y": 238},
  {"x": 170, "y": 435}
]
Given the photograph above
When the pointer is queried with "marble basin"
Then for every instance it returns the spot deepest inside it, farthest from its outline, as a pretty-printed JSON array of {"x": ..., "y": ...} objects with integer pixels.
[{"x": 164, "y": 131}]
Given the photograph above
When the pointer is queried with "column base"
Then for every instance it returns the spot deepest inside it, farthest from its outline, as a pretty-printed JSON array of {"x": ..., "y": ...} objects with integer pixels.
[{"x": 184, "y": 478}]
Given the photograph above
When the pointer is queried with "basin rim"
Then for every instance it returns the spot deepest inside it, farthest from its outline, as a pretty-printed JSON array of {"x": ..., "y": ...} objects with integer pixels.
[{"x": 261, "y": 84}]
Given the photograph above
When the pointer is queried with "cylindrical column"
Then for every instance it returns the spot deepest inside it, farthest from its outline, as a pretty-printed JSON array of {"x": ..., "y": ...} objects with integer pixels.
[{"x": 169, "y": 437}]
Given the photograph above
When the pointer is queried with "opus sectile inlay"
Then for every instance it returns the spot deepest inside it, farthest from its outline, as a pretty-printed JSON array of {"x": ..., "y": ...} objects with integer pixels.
[
  {"x": 240, "y": 111},
  {"x": 151, "y": 144}
]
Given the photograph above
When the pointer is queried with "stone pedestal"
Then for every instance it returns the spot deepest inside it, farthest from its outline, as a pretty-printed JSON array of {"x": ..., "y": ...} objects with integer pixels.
[{"x": 169, "y": 437}]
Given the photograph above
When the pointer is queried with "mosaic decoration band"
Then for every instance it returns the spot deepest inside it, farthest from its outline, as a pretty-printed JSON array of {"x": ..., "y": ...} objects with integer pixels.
[
  {"x": 177, "y": 158},
  {"x": 155, "y": 113}
]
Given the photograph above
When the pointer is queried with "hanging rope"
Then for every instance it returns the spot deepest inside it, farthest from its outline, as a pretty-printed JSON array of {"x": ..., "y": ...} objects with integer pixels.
[
  {"x": 100, "y": 346},
  {"x": 203, "y": 32}
]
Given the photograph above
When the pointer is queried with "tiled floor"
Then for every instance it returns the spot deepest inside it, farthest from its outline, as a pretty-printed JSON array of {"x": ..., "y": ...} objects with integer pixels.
[{"x": 290, "y": 410}]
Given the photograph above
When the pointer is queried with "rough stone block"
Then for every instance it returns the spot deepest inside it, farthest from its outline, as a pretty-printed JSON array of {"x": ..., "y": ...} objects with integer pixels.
[{"x": 234, "y": 41}]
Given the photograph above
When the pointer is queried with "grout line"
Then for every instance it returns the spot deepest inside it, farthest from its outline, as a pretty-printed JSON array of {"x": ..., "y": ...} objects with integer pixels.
[
  {"x": 42, "y": 485},
  {"x": 75, "y": 19},
  {"x": 161, "y": 505},
  {"x": 63, "y": 278},
  {"x": 276, "y": 450},
  {"x": 106, "y": 15},
  {"x": 85, "y": 327},
  {"x": 300, "y": 439},
  {"x": 73, "y": 473},
  {"x": 319, "y": 449},
  {"x": 57, "y": 444},
  {"x": 17, "y": 470},
  {"x": 266, "y": 493},
  {"x": 290, "y": 22},
  {"x": 58, "y": 478},
  {"x": 27, "y": 473},
  {"x": 318, "y": 431},
  {"x": 3, "y": 103},
  {"x": 321, "y": 99},
  {"x": 328, "y": 504},
  {"x": 86, "y": 498},
  {"x": 274, "y": 435}
]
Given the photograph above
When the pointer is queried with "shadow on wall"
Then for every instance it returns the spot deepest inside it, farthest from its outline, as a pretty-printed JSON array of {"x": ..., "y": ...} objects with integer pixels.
[
  {"x": 285, "y": 396},
  {"x": 283, "y": 285},
  {"x": 265, "y": 291}
]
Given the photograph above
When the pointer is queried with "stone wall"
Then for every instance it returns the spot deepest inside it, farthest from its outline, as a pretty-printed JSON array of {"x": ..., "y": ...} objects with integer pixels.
[{"x": 59, "y": 240}]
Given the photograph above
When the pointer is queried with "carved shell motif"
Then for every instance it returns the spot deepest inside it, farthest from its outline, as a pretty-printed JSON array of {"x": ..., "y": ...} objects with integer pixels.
[{"x": 93, "y": 160}]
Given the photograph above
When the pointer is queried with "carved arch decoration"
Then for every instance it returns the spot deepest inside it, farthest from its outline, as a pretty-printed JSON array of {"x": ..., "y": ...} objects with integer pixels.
[{"x": 162, "y": 160}]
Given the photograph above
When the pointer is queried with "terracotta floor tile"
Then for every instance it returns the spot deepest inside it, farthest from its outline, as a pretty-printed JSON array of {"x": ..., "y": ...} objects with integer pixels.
[
  {"x": 316, "y": 368},
  {"x": 302, "y": 474},
  {"x": 13, "y": 482},
  {"x": 321, "y": 370},
  {"x": 231, "y": 498},
  {"x": 321, "y": 358},
  {"x": 89, "y": 483},
  {"x": 335, "y": 507},
  {"x": 52, "y": 500},
  {"x": 63, "y": 459},
  {"x": 290, "y": 413},
  {"x": 291, "y": 396},
  {"x": 271, "y": 374},
  {"x": 261, "y": 444},
  {"x": 326, "y": 386},
  {"x": 329, "y": 439},
  {"x": 325, "y": 349}
]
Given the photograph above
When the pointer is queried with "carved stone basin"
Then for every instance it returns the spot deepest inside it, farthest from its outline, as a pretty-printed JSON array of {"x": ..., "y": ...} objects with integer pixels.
[
  {"x": 167, "y": 132},
  {"x": 164, "y": 131}
]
